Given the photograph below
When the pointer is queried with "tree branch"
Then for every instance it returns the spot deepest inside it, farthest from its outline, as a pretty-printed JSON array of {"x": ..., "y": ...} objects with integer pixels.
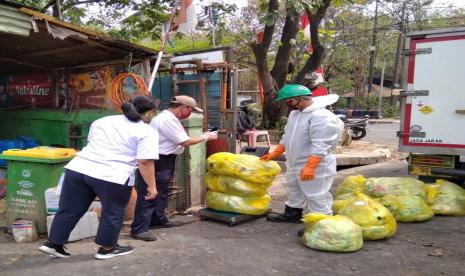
[
  {"x": 67, "y": 5},
  {"x": 260, "y": 50},
  {"x": 48, "y": 5},
  {"x": 318, "y": 50},
  {"x": 283, "y": 56},
  {"x": 268, "y": 31}
]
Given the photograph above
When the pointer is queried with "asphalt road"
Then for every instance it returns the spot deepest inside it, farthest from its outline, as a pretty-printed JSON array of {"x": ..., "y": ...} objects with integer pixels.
[
  {"x": 383, "y": 133},
  {"x": 257, "y": 248}
]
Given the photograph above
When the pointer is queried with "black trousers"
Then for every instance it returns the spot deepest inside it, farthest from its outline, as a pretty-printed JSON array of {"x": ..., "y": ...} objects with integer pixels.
[
  {"x": 152, "y": 212},
  {"x": 77, "y": 193}
]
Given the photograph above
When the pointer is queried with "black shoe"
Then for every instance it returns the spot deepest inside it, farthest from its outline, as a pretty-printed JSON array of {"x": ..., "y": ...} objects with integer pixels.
[
  {"x": 169, "y": 224},
  {"x": 118, "y": 250},
  {"x": 293, "y": 215},
  {"x": 54, "y": 249},
  {"x": 144, "y": 236},
  {"x": 301, "y": 232}
]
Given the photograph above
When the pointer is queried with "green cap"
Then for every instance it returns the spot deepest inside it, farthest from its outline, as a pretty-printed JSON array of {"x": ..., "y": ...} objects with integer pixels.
[{"x": 291, "y": 91}]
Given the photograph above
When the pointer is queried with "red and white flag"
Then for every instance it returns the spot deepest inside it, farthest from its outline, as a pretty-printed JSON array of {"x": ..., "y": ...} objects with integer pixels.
[
  {"x": 320, "y": 75},
  {"x": 319, "y": 90},
  {"x": 186, "y": 21},
  {"x": 305, "y": 25}
]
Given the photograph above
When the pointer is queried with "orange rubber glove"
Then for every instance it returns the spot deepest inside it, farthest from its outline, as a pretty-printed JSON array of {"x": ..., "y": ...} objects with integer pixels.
[
  {"x": 308, "y": 172},
  {"x": 277, "y": 152}
]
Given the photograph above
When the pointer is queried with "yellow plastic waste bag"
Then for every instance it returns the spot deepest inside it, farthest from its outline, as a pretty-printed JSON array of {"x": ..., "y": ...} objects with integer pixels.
[
  {"x": 350, "y": 184},
  {"x": 331, "y": 233},
  {"x": 237, "y": 204},
  {"x": 341, "y": 200},
  {"x": 431, "y": 193},
  {"x": 243, "y": 166},
  {"x": 407, "y": 208},
  {"x": 376, "y": 221},
  {"x": 449, "y": 199},
  {"x": 234, "y": 186},
  {"x": 382, "y": 186}
]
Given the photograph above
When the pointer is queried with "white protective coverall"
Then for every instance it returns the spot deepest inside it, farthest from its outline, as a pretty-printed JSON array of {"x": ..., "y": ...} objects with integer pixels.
[{"x": 314, "y": 131}]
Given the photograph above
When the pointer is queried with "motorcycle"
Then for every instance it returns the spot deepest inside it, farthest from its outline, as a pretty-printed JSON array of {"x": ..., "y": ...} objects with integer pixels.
[{"x": 356, "y": 127}]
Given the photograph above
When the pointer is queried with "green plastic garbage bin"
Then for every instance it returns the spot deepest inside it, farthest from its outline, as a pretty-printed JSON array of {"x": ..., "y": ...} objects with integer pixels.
[{"x": 30, "y": 173}]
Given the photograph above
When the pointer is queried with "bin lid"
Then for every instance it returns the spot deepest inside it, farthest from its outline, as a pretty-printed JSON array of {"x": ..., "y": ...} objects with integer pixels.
[{"x": 40, "y": 154}]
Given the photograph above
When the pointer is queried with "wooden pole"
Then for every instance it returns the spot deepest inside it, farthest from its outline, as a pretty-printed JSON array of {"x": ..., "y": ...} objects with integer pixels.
[{"x": 162, "y": 48}]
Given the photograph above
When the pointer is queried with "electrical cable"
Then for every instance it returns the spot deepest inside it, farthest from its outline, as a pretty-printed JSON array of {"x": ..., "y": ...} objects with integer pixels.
[{"x": 117, "y": 94}]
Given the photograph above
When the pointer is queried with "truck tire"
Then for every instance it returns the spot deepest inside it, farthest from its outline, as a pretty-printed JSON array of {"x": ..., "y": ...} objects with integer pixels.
[{"x": 427, "y": 179}]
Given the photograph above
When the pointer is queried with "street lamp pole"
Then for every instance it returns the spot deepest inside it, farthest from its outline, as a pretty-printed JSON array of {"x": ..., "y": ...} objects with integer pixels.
[
  {"x": 381, "y": 87},
  {"x": 371, "y": 69}
]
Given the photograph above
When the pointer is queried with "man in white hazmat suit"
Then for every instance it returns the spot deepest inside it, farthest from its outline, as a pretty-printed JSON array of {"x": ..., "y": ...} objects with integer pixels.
[{"x": 312, "y": 132}]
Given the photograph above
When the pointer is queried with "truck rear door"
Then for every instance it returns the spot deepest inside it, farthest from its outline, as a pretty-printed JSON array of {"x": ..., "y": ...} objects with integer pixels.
[{"x": 433, "y": 103}]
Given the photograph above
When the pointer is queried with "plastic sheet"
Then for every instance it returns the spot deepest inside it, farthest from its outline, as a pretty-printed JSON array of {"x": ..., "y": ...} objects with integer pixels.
[
  {"x": 237, "y": 204},
  {"x": 448, "y": 198},
  {"x": 407, "y": 208},
  {"x": 376, "y": 221},
  {"x": 350, "y": 184},
  {"x": 383, "y": 186},
  {"x": 234, "y": 186},
  {"x": 332, "y": 233},
  {"x": 243, "y": 166}
]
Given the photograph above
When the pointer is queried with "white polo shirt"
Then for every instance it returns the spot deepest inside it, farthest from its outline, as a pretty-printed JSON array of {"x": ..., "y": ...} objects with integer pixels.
[
  {"x": 114, "y": 146},
  {"x": 170, "y": 131}
]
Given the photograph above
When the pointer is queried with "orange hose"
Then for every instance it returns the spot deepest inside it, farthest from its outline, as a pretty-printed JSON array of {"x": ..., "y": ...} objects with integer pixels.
[{"x": 117, "y": 94}]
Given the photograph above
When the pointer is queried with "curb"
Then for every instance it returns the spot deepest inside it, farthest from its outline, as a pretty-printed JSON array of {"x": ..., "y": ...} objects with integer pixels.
[{"x": 382, "y": 122}]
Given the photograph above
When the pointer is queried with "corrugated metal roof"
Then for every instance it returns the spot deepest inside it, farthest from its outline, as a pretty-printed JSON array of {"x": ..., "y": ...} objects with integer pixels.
[{"x": 14, "y": 22}]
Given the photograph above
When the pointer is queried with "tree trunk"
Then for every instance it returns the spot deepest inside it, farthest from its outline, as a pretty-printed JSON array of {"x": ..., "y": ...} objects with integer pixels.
[
  {"x": 270, "y": 108},
  {"x": 260, "y": 50},
  {"x": 57, "y": 9},
  {"x": 283, "y": 56},
  {"x": 272, "y": 81}
]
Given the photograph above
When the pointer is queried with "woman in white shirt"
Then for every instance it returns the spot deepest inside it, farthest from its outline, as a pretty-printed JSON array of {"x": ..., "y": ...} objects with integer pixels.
[{"x": 116, "y": 146}]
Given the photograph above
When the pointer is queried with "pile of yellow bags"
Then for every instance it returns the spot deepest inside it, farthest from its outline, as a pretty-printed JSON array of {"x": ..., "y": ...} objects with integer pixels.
[
  {"x": 375, "y": 205},
  {"x": 405, "y": 197},
  {"x": 238, "y": 183}
]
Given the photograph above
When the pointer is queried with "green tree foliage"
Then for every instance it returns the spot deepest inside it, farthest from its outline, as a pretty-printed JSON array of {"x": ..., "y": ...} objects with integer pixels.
[{"x": 146, "y": 17}]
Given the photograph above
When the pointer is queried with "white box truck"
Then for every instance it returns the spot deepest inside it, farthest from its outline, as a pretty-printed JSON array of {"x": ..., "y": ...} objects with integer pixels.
[{"x": 432, "y": 128}]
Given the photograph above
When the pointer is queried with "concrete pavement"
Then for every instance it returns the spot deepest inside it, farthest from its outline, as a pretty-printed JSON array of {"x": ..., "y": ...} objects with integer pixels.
[{"x": 258, "y": 248}]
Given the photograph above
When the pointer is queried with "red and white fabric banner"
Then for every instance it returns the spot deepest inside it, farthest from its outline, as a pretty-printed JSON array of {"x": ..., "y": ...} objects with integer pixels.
[
  {"x": 186, "y": 21},
  {"x": 319, "y": 90},
  {"x": 305, "y": 25},
  {"x": 320, "y": 75}
]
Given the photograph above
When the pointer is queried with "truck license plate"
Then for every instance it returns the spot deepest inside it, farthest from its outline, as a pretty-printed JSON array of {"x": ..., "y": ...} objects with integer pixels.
[{"x": 419, "y": 170}]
